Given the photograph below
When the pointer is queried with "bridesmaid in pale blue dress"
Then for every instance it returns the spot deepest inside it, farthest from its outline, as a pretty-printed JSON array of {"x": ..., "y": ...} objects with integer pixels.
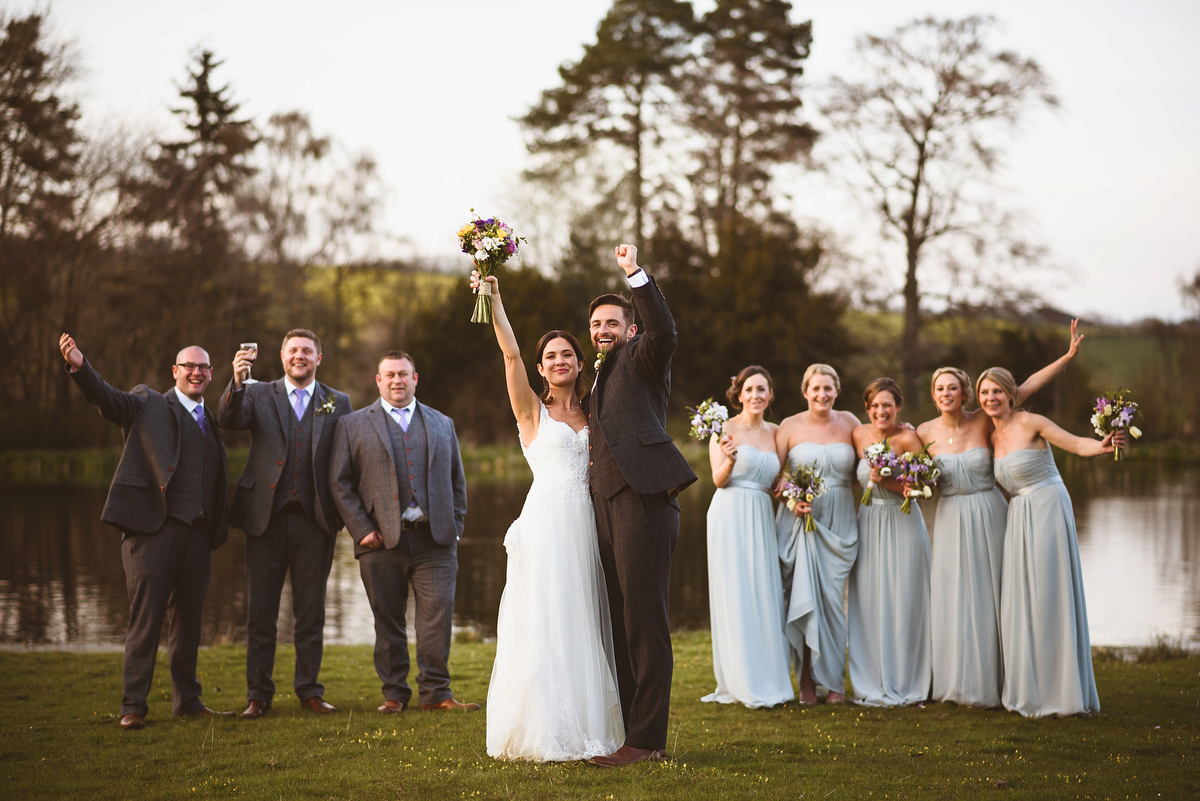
[
  {"x": 744, "y": 595},
  {"x": 968, "y": 538},
  {"x": 1043, "y": 613},
  {"x": 888, "y": 655},
  {"x": 815, "y": 564}
]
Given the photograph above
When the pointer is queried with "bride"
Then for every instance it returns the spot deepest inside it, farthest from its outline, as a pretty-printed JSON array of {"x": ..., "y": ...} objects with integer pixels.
[{"x": 553, "y": 695}]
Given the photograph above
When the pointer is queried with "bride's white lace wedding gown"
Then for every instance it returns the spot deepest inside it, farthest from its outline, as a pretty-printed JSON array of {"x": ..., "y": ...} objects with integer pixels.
[{"x": 553, "y": 694}]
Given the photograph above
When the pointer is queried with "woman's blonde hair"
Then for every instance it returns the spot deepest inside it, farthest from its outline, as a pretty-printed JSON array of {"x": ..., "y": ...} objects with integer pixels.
[
  {"x": 1003, "y": 379},
  {"x": 820, "y": 369},
  {"x": 964, "y": 381}
]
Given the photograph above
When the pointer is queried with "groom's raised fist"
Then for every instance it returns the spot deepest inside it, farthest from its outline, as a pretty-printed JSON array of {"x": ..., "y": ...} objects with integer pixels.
[{"x": 627, "y": 258}]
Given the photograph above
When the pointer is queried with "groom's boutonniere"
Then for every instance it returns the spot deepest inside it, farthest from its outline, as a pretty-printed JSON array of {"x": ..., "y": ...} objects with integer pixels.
[
  {"x": 327, "y": 406},
  {"x": 600, "y": 357}
]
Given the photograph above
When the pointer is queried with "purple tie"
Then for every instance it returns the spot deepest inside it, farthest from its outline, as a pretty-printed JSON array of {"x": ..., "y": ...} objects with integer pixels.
[
  {"x": 301, "y": 395},
  {"x": 199, "y": 411}
]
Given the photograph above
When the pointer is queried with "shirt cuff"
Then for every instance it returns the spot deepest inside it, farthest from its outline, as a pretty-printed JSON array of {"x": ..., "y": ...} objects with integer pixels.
[{"x": 639, "y": 278}]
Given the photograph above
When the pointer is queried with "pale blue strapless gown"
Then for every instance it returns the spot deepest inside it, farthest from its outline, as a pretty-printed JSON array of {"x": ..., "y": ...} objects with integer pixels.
[
  {"x": 815, "y": 564},
  {"x": 1043, "y": 614},
  {"x": 889, "y": 657},
  {"x": 968, "y": 549},
  {"x": 744, "y": 594},
  {"x": 553, "y": 693}
]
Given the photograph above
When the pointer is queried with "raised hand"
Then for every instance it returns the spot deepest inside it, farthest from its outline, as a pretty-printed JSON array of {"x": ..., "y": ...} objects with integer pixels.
[
  {"x": 627, "y": 258},
  {"x": 1076, "y": 338},
  {"x": 476, "y": 279},
  {"x": 242, "y": 362},
  {"x": 66, "y": 344}
]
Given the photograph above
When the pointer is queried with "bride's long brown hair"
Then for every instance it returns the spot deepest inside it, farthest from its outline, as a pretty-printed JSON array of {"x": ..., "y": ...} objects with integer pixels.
[{"x": 575, "y": 346}]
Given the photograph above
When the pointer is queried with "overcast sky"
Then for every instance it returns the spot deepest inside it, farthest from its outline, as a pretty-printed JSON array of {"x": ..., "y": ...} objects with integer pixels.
[{"x": 1111, "y": 182}]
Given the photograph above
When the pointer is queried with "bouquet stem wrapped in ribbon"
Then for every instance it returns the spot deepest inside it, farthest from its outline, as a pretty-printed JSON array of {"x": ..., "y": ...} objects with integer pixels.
[
  {"x": 804, "y": 483},
  {"x": 919, "y": 473},
  {"x": 489, "y": 243},
  {"x": 879, "y": 455},
  {"x": 708, "y": 419},
  {"x": 1116, "y": 414}
]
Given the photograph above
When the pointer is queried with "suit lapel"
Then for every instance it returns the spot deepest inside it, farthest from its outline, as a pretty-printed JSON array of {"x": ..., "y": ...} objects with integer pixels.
[
  {"x": 318, "y": 397},
  {"x": 378, "y": 418},
  {"x": 181, "y": 416},
  {"x": 281, "y": 405}
]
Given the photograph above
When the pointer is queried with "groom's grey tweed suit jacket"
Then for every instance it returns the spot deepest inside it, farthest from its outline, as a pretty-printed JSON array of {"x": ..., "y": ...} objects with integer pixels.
[
  {"x": 150, "y": 422},
  {"x": 263, "y": 408},
  {"x": 629, "y": 406},
  {"x": 362, "y": 476}
]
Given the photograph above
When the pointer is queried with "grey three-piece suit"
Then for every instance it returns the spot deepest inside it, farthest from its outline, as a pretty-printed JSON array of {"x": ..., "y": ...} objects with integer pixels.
[
  {"x": 376, "y": 470},
  {"x": 284, "y": 505},
  {"x": 168, "y": 499}
]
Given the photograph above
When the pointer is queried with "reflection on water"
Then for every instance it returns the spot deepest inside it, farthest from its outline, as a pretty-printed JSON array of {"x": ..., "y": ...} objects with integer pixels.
[{"x": 61, "y": 581}]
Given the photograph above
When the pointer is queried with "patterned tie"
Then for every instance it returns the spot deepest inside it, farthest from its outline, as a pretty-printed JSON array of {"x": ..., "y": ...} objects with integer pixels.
[
  {"x": 199, "y": 412},
  {"x": 301, "y": 398}
]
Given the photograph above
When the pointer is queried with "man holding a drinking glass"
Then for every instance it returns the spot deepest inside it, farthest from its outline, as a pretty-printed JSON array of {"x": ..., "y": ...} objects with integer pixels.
[{"x": 284, "y": 505}]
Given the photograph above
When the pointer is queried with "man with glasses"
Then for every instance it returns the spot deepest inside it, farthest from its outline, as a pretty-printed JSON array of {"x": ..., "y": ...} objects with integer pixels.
[
  {"x": 284, "y": 505},
  {"x": 168, "y": 500}
]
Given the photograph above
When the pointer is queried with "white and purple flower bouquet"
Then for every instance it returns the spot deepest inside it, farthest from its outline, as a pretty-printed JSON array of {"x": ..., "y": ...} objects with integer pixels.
[
  {"x": 879, "y": 455},
  {"x": 1116, "y": 413},
  {"x": 708, "y": 419},
  {"x": 489, "y": 243},
  {"x": 919, "y": 474},
  {"x": 804, "y": 483}
]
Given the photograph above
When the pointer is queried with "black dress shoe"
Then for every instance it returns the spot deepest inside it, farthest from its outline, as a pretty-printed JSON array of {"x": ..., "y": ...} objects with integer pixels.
[
  {"x": 256, "y": 709},
  {"x": 318, "y": 705},
  {"x": 132, "y": 722}
]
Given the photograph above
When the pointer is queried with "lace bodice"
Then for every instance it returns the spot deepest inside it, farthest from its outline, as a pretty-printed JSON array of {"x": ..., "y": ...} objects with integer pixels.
[
  {"x": 559, "y": 455},
  {"x": 835, "y": 460},
  {"x": 969, "y": 471}
]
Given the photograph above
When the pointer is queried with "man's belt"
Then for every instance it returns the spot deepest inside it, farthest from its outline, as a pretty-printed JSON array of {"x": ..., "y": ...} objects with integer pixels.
[{"x": 413, "y": 525}]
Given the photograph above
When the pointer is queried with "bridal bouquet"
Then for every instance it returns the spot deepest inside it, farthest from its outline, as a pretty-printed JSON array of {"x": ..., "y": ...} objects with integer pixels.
[
  {"x": 919, "y": 474},
  {"x": 804, "y": 483},
  {"x": 708, "y": 419},
  {"x": 489, "y": 243},
  {"x": 879, "y": 455},
  {"x": 1116, "y": 414}
]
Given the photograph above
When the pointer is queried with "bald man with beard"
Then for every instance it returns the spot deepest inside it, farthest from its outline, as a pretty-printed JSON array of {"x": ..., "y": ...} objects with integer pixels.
[{"x": 167, "y": 499}]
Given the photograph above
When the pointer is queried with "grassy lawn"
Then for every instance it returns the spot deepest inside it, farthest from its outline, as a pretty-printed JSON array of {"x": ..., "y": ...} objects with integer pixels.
[{"x": 59, "y": 739}]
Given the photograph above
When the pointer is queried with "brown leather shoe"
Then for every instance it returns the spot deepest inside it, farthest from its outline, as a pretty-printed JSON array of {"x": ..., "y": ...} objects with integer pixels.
[
  {"x": 450, "y": 703},
  {"x": 132, "y": 722},
  {"x": 628, "y": 755},
  {"x": 256, "y": 709},
  {"x": 318, "y": 705},
  {"x": 393, "y": 707}
]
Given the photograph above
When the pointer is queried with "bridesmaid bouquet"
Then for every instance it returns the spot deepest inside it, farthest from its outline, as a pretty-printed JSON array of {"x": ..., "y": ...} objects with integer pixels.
[
  {"x": 489, "y": 243},
  {"x": 804, "y": 483},
  {"x": 879, "y": 455},
  {"x": 920, "y": 474},
  {"x": 708, "y": 419},
  {"x": 1116, "y": 414}
]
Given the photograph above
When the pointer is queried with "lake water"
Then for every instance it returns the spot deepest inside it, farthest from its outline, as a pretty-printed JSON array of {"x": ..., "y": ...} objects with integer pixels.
[{"x": 62, "y": 584}]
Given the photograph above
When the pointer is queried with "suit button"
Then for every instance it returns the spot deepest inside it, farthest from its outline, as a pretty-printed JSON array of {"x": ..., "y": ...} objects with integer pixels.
[
  {"x": 281, "y": 463},
  {"x": 162, "y": 489},
  {"x": 410, "y": 464},
  {"x": 397, "y": 497},
  {"x": 393, "y": 472},
  {"x": 412, "y": 478},
  {"x": 272, "y": 486},
  {"x": 301, "y": 430},
  {"x": 170, "y": 469}
]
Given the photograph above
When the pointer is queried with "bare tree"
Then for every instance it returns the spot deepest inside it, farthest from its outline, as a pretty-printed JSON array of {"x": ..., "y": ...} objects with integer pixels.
[{"x": 924, "y": 132}]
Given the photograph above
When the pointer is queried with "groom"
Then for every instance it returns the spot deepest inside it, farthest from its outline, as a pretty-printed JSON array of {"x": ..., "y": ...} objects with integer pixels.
[{"x": 635, "y": 474}]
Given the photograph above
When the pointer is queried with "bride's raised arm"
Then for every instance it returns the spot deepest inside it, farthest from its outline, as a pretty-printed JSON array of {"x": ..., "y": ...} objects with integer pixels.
[{"x": 525, "y": 402}]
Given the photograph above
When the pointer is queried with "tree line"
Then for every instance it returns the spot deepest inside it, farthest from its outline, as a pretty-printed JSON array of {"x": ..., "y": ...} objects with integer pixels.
[{"x": 672, "y": 129}]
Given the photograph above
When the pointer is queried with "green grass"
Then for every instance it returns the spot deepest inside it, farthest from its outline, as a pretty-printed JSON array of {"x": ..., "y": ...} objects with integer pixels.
[{"x": 59, "y": 739}]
